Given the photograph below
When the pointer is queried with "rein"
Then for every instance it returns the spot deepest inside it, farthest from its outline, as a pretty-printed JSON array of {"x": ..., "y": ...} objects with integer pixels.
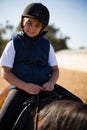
[{"x": 37, "y": 112}]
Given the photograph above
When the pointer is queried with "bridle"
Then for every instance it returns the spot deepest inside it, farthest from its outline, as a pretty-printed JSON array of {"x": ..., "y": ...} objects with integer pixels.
[{"x": 36, "y": 114}]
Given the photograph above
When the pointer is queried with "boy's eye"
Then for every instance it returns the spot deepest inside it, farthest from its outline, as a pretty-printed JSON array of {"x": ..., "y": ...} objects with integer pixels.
[
  {"x": 29, "y": 23},
  {"x": 38, "y": 25}
]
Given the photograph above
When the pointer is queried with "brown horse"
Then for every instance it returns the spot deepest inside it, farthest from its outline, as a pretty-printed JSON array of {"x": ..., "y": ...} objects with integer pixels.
[
  {"x": 52, "y": 113},
  {"x": 3, "y": 94},
  {"x": 63, "y": 115},
  {"x": 41, "y": 111}
]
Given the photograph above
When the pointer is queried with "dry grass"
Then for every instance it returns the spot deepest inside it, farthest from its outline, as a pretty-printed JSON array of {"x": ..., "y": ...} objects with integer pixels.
[{"x": 72, "y": 80}]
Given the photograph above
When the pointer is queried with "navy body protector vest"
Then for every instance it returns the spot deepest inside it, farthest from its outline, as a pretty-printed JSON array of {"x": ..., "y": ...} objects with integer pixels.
[{"x": 31, "y": 59}]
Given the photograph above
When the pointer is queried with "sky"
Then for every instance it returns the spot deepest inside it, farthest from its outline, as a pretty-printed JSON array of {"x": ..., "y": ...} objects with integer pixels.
[{"x": 68, "y": 15}]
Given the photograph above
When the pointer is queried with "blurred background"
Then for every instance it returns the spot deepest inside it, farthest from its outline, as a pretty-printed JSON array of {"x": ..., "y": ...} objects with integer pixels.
[
  {"x": 67, "y": 33},
  {"x": 68, "y": 21}
]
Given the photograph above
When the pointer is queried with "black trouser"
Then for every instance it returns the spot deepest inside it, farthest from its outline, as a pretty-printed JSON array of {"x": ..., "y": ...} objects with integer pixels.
[
  {"x": 13, "y": 105},
  {"x": 11, "y": 108}
]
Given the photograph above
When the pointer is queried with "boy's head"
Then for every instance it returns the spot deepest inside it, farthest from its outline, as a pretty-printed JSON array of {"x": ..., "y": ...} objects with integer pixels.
[
  {"x": 37, "y": 11},
  {"x": 32, "y": 26}
]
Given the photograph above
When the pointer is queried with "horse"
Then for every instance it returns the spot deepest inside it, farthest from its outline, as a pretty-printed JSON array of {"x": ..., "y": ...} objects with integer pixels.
[
  {"x": 63, "y": 115},
  {"x": 3, "y": 94},
  {"x": 42, "y": 112}
]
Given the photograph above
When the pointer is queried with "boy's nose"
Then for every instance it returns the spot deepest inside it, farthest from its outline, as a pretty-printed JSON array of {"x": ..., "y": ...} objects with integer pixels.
[{"x": 32, "y": 27}]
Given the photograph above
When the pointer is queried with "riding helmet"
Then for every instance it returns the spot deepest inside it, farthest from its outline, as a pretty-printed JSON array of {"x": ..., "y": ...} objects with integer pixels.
[{"x": 38, "y": 11}]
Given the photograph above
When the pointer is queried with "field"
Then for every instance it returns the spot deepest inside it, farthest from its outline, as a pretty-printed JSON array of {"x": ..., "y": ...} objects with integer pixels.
[{"x": 74, "y": 81}]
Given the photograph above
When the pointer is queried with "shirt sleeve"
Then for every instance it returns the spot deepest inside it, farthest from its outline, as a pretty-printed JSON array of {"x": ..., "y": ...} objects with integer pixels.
[
  {"x": 52, "y": 57},
  {"x": 7, "y": 58}
]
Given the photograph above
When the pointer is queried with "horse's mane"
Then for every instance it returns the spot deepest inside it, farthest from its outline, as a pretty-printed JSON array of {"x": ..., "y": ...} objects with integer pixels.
[{"x": 63, "y": 115}]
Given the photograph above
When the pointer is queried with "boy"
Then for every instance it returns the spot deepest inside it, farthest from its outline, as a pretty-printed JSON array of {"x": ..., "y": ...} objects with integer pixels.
[{"x": 28, "y": 63}]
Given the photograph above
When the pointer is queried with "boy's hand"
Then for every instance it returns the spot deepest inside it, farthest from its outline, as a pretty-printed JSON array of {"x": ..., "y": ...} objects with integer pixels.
[
  {"x": 33, "y": 88},
  {"x": 48, "y": 86}
]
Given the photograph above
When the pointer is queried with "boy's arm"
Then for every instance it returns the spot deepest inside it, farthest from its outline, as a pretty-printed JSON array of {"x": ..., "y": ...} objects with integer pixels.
[
  {"x": 12, "y": 79},
  {"x": 54, "y": 74},
  {"x": 49, "y": 86}
]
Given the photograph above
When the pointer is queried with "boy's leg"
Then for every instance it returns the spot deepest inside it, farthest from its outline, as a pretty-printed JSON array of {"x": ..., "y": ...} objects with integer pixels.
[
  {"x": 11, "y": 108},
  {"x": 65, "y": 93}
]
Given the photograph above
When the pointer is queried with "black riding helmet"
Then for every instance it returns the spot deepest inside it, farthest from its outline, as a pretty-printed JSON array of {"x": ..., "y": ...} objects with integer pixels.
[{"x": 38, "y": 11}]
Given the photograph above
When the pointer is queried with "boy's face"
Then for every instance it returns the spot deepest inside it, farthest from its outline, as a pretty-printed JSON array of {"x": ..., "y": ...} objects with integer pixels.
[{"x": 32, "y": 27}]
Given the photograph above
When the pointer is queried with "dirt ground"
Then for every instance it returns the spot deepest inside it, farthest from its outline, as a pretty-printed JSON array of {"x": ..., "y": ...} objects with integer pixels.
[{"x": 72, "y": 80}]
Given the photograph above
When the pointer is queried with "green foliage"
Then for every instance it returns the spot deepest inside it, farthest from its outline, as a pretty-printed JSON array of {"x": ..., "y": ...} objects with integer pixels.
[
  {"x": 3, "y": 31},
  {"x": 58, "y": 42},
  {"x": 2, "y": 45},
  {"x": 19, "y": 27},
  {"x": 2, "y": 41}
]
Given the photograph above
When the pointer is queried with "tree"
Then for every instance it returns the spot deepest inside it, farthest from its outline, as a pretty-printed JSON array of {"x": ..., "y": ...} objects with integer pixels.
[
  {"x": 57, "y": 41},
  {"x": 3, "y": 32},
  {"x": 2, "y": 45}
]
